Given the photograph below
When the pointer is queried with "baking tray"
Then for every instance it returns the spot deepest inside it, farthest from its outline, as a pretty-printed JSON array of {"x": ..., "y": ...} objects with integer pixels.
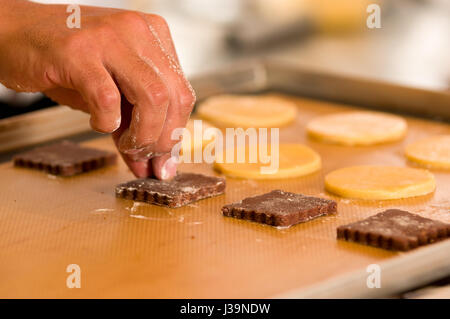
[
  {"x": 134, "y": 250},
  {"x": 277, "y": 76}
]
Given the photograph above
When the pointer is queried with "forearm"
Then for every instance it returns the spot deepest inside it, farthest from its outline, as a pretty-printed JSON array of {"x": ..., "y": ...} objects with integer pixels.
[{"x": 22, "y": 41}]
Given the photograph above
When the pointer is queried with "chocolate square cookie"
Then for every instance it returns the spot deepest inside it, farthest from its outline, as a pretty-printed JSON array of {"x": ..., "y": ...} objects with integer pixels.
[
  {"x": 394, "y": 229},
  {"x": 183, "y": 189},
  {"x": 64, "y": 159},
  {"x": 279, "y": 208}
]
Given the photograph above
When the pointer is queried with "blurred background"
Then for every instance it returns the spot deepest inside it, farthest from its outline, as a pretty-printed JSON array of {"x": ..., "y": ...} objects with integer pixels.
[{"x": 411, "y": 48}]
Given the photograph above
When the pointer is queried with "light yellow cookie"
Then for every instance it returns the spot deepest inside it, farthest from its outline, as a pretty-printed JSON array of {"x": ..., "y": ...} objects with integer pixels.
[
  {"x": 188, "y": 142},
  {"x": 247, "y": 111},
  {"x": 294, "y": 160},
  {"x": 380, "y": 182},
  {"x": 433, "y": 152},
  {"x": 358, "y": 128}
]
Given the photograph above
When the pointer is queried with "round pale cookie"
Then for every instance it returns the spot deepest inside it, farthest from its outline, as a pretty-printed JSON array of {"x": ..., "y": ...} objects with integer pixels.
[
  {"x": 380, "y": 182},
  {"x": 294, "y": 160},
  {"x": 358, "y": 128},
  {"x": 247, "y": 111},
  {"x": 432, "y": 152},
  {"x": 189, "y": 144}
]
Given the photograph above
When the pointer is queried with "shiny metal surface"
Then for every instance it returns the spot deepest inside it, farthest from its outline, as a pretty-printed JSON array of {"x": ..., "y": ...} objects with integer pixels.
[{"x": 256, "y": 76}]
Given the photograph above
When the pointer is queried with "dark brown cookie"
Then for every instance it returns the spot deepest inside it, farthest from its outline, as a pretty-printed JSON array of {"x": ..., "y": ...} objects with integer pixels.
[
  {"x": 182, "y": 190},
  {"x": 65, "y": 159},
  {"x": 394, "y": 229},
  {"x": 279, "y": 208}
]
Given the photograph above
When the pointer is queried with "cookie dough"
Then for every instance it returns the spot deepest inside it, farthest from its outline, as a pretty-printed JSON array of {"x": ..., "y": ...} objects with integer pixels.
[
  {"x": 395, "y": 229},
  {"x": 358, "y": 128},
  {"x": 279, "y": 208},
  {"x": 432, "y": 152},
  {"x": 294, "y": 160},
  {"x": 183, "y": 189},
  {"x": 65, "y": 159},
  {"x": 380, "y": 182},
  {"x": 248, "y": 111}
]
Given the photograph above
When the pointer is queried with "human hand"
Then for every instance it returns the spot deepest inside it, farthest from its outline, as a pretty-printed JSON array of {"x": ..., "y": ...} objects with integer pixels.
[{"x": 120, "y": 66}]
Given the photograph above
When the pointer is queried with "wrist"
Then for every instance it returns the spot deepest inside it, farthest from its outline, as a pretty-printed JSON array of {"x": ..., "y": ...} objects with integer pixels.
[
  {"x": 17, "y": 21},
  {"x": 14, "y": 14}
]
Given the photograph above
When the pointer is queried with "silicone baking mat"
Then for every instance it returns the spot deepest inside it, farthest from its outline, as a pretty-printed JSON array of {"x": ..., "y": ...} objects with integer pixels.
[{"x": 135, "y": 250}]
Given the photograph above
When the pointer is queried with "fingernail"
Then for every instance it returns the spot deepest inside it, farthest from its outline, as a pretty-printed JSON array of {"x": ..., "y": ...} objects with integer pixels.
[
  {"x": 169, "y": 169},
  {"x": 118, "y": 121}
]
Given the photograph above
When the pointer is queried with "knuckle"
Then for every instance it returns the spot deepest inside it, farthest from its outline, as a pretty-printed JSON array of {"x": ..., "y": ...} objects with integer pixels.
[
  {"x": 157, "y": 93},
  {"x": 104, "y": 31},
  {"x": 108, "y": 99},
  {"x": 187, "y": 100},
  {"x": 158, "y": 20},
  {"x": 133, "y": 19},
  {"x": 75, "y": 42}
]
